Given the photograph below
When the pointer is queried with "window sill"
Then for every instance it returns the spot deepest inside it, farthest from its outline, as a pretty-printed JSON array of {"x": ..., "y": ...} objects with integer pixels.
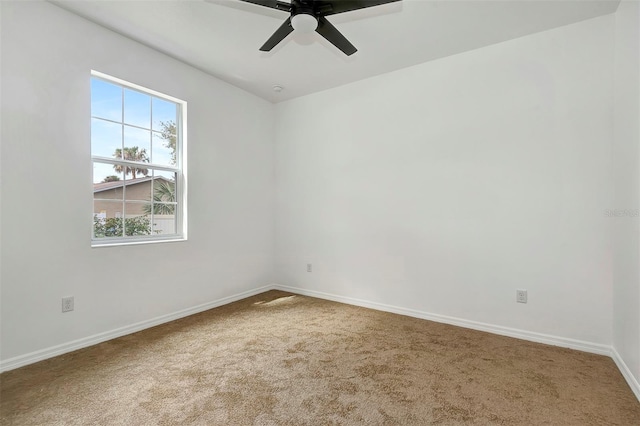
[{"x": 113, "y": 243}]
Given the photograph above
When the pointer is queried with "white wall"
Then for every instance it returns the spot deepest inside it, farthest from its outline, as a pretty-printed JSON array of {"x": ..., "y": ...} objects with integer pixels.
[
  {"x": 626, "y": 172},
  {"x": 446, "y": 186},
  {"x": 47, "y": 55}
]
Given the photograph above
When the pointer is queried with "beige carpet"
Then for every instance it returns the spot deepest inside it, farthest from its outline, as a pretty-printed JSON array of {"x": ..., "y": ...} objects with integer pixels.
[{"x": 282, "y": 359}]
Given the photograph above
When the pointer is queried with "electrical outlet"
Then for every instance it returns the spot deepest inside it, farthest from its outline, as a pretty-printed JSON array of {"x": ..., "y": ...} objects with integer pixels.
[
  {"x": 67, "y": 304},
  {"x": 521, "y": 296},
  {"x": 308, "y": 267}
]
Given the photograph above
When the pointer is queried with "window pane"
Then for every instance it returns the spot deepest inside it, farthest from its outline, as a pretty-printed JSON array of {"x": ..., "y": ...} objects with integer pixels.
[
  {"x": 163, "y": 224},
  {"x": 106, "y": 137},
  {"x": 164, "y": 114},
  {"x": 138, "y": 206},
  {"x": 137, "y": 108},
  {"x": 138, "y": 190},
  {"x": 107, "y": 219},
  {"x": 136, "y": 221},
  {"x": 164, "y": 149},
  {"x": 164, "y": 192},
  {"x": 107, "y": 209},
  {"x": 106, "y": 174},
  {"x": 106, "y": 100},
  {"x": 137, "y": 144},
  {"x": 167, "y": 176},
  {"x": 164, "y": 137}
]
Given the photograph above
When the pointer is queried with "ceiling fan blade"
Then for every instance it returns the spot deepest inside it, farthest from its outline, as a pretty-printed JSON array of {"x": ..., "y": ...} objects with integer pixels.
[
  {"x": 284, "y": 30},
  {"x": 331, "y": 7},
  {"x": 328, "y": 31},
  {"x": 273, "y": 4}
]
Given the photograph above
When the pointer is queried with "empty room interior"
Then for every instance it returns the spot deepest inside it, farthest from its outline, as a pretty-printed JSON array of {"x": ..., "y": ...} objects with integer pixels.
[{"x": 316, "y": 212}]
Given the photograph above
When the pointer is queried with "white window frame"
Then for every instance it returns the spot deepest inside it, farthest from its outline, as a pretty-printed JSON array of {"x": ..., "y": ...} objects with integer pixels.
[{"x": 179, "y": 169}]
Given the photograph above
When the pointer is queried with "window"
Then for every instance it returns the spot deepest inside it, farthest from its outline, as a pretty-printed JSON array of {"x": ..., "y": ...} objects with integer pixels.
[{"x": 137, "y": 149}]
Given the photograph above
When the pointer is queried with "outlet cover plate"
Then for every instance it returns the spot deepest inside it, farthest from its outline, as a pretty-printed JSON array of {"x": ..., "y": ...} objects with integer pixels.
[
  {"x": 67, "y": 304},
  {"x": 521, "y": 296}
]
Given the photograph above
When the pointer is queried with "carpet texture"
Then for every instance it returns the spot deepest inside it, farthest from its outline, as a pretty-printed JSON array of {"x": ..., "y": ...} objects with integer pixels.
[{"x": 284, "y": 359}]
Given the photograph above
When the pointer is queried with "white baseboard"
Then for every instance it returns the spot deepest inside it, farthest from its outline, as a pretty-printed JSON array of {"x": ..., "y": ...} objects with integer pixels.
[
  {"x": 595, "y": 348},
  {"x": 626, "y": 372},
  {"x": 564, "y": 342},
  {"x": 475, "y": 325},
  {"x": 50, "y": 352}
]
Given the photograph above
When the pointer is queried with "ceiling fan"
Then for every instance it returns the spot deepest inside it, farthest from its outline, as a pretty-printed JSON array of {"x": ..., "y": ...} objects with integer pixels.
[{"x": 309, "y": 15}]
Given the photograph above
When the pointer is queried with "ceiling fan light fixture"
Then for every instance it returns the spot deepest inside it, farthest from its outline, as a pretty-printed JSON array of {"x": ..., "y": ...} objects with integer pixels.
[{"x": 304, "y": 23}]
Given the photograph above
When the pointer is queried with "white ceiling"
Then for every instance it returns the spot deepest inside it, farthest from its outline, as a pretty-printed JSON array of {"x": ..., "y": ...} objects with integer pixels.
[{"x": 222, "y": 37}]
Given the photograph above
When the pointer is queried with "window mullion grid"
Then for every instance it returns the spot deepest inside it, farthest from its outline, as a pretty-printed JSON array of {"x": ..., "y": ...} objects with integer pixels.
[{"x": 133, "y": 126}]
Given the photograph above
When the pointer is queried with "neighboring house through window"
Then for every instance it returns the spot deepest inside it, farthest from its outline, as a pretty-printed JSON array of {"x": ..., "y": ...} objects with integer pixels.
[{"x": 137, "y": 147}]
